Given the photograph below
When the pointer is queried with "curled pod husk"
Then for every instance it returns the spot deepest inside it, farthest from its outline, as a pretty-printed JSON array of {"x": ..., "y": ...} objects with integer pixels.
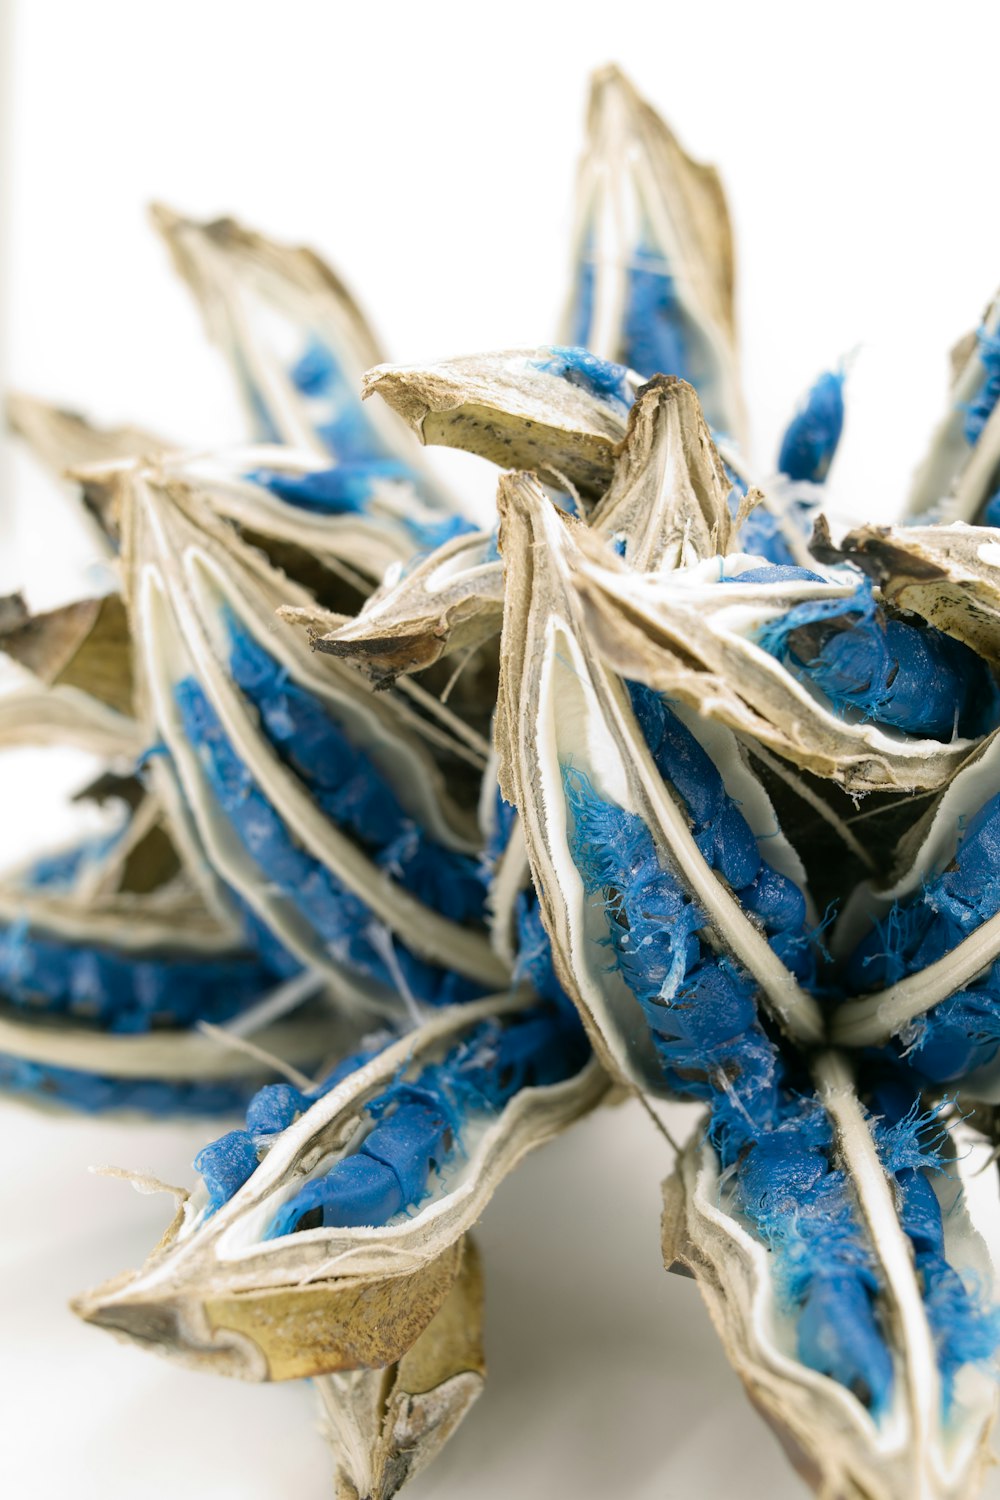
[
  {"x": 254, "y": 723},
  {"x": 667, "y": 504},
  {"x": 240, "y": 1285},
  {"x": 928, "y": 1436},
  {"x": 959, "y": 473},
  {"x": 450, "y": 600},
  {"x": 295, "y": 339},
  {"x": 385, "y": 1426},
  {"x": 563, "y": 713},
  {"x": 696, "y": 635},
  {"x": 948, "y": 575},
  {"x": 653, "y": 272},
  {"x": 561, "y": 411}
]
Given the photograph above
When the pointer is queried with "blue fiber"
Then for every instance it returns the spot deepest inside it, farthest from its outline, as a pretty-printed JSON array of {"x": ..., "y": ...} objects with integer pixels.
[
  {"x": 812, "y": 436},
  {"x": 225, "y": 1165},
  {"x": 909, "y": 677},
  {"x": 979, "y": 410},
  {"x": 599, "y": 377}
]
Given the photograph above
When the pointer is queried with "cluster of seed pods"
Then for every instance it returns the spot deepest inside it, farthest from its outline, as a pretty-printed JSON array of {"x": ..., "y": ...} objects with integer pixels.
[{"x": 436, "y": 836}]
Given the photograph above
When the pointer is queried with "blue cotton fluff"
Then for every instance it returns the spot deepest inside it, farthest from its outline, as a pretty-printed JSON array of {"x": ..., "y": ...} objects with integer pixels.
[
  {"x": 93, "y": 1093},
  {"x": 226, "y": 1165},
  {"x": 811, "y": 438},
  {"x": 657, "y": 333},
  {"x": 980, "y": 408},
  {"x": 350, "y": 488},
  {"x": 965, "y": 1326},
  {"x": 418, "y": 1124},
  {"x": 341, "y": 422},
  {"x": 600, "y": 377},
  {"x": 722, "y": 833},
  {"x": 701, "y": 1012},
  {"x": 123, "y": 991},
  {"x": 991, "y": 511},
  {"x": 347, "y": 784},
  {"x": 909, "y": 677},
  {"x": 345, "y": 925}
]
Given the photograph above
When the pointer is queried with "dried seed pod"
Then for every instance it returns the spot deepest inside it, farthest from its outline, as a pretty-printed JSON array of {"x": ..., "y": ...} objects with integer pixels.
[
  {"x": 698, "y": 636},
  {"x": 668, "y": 501},
  {"x": 385, "y": 1426},
  {"x": 571, "y": 749},
  {"x": 653, "y": 276},
  {"x": 243, "y": 1284},
  {"x": 295, "y": 339},
  {"x": 36, "y": 715},
  {"x": 919, "y": 1417},
  {"x": 452, "y": 600},
  {"x": 264, "y": 735},
  {"x": 959, "y": 474},
  {"x": 561, "y": 411}
]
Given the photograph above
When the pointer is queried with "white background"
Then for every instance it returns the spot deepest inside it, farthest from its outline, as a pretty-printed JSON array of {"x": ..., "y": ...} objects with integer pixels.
[{"x": 428, "y": 150}]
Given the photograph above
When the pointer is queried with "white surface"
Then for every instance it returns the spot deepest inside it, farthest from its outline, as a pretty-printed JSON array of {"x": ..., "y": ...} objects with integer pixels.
[{"x": 429, "y": 151}]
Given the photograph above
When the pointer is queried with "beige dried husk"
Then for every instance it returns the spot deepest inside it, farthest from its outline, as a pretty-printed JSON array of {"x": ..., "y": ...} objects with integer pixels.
[
  {"x": 914, "y": 1450},
  {"x": 215, "y": 1295},
  {"x": 385, "y": 1426}
]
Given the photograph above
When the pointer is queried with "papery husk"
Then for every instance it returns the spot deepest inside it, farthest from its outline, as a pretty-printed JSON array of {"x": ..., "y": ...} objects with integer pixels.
[
  {"x": 669, "y": 495},
  {"x": 213, "y": 1295},
  {"x": 450, "y": 601},
  {"x": 667, "y": 503},
  {"x": 948, "y": 575},
  {"x": 635, "y": 176},
  {"x": 35, "y": 715},
  {"x": 836, "y": 1447},
  {"x": 507, "y": 408},
  {"x": 687, "y": 636},
  {"x": 181, "y": 564},
  {"x": 558, "y": 698},
  {"x": 230, "y": 269},
  {"x": 385, "y": 1426},
  {"x": 954, "y": 479},
  {"x": 66, "y": 441},
  {"x": 84, "y": 645}
]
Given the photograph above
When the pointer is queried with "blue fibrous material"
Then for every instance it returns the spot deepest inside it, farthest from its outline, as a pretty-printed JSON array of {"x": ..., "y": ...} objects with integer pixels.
[
  {"x": 123, "y": 991},
  {"x": 700, "y": 1009},
  {"x": 419, "y": 1123},
  {"x": 350, "y": 489},
  {"x": 348, "y": 929},
  {"x": 723, "y": 834},
  {"x": 909, "y": 677},
  {"x": 94, "y": 1094},
  {"x": 963, "y": 1032},
  {"x": 534, "y": 965},
  {"x": 980, "y": 408},
  {"x": 656, "y": 332},
  {"x": 761, "y": 534},
  {"x": 504, "y": 818},
  {"x": 348, "y": 786},
  {"x": 341, "y": 423},
  {"x": 810, "y": 441},
  {"x": 966, "y": 1328},
  {"x": 599, "y": 377}
]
